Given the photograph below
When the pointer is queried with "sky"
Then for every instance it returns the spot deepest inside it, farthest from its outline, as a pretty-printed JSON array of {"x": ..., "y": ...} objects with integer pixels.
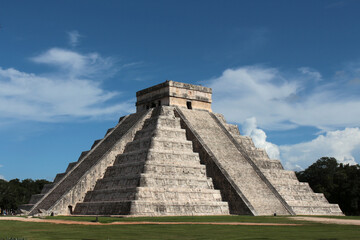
[{"x": 287, "y": 72}]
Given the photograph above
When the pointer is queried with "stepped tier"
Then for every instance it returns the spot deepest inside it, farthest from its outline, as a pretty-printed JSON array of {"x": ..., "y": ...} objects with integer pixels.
[
  {"x": 175, "y": 157},
  {"x": 157, "y": 174}
]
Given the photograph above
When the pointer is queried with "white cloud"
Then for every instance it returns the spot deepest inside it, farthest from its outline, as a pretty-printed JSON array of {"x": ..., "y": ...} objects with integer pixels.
[
  {"x": 283, "y": 101},
  {"x": 344, "y": 145},
  {"x": 74, "y": 37},
  {"x": 74, "y": 64},
  {"x": 313, "y": 74},
  {"x": 258, "y": 136},
  {"x": 72, "y": 92}
]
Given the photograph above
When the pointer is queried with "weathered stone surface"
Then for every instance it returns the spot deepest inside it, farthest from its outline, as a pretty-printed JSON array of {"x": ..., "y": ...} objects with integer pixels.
[{"x": 177, "y": 158}]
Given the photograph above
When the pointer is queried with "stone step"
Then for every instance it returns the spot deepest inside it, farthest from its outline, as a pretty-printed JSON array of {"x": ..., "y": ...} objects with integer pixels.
[
  {"x": 130, "y": 181},
  {"x": 163, "y": 169},
  {"x": 159, "y": 156},
  {"x": 245, "y": 141},
  {"x": 331, "y": 209},
  {"x": 153, "y": 194},
  {"x": 47, "y": 187},
  {"x": 70, "y": 166},
  {"x": 35, "y": 198},
  {"x": 233, "y": 129},
  {"x": 152, "y": 208},
  {"x": 163, "y": 121},
  {"x": 293, "y": 188},
  {"x": 164, "y": 132},
  {"x": 258, "y": 153},
  {"x": 83, "y": 154},
  {"x": 154, "y": 180},
  {"x": 279, "y": 173},
  {"x": 108, "y": 131},
  {"x": 96, "y": 142},
  {"x": 26, "y": 207},
  {"x": 171, "y": 144},
  {"x": 179, "y": 208},
  {"x": 119, "y": 194},
  {"x": 58, "y": 177},
  {"x": 268, "y": 164},
  {"x": 138, "y": 144}
]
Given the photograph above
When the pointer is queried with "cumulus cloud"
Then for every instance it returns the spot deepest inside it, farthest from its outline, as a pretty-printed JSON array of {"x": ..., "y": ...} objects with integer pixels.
[
  {"x": 258, "y": 136},
  {"x": 74, "y": 64},
  {"x": 74, "y": 37},
  {"x": 344, "y": 145},
  {"x": 73, "y": 91},
  {"x": 283, "y": 101}
]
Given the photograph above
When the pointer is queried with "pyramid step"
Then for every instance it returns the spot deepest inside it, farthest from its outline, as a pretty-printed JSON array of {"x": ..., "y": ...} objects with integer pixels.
[
  {"x": 171, "y": 144},
  {"x": 35, "y": 198},
  {"x": 245, "y": 141},
  {"x": 108, "y": 131},
  {"x": 26, "y": 207},
  {"x": 163, "y": 121},
  {"x": 266, "y": 163},
  {"x": 119, "y": 194},
  {"x": 151, "y": 180},
  {"x": 331, "y": 209},
  {"x": 293, "y": 188},
  {"x": 138, "y": 144},
  {"x": 70, "y": 166},
  {"x": 179, "y": 208},
  {"x": 158, "y": 156},
  {"x": 233, "y": 129},
  {"x": 130, "y": 181},
  {"x": 83, "y": 154},
  {"x": 103, "y": 208},
  {"x": 258, "y": 153},
  {"x": 151, "y": 208},
  {"x": 58, "y": 177},
  {"x": 47, "y": 187},
  {"x": 154, "y": 168},
  {"x": 96, "y": 142},
  {"x": 164, "y": 132},
  {"x": 177, "y": 194},
  {"x": 279, "y": 174},
  {"x": 153, "y": 194}
]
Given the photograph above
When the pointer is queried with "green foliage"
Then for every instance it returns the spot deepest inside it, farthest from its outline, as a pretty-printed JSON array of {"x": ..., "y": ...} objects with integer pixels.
[
  {"x": 13, "y": 193},
  {"x": 340, "y": 183}
]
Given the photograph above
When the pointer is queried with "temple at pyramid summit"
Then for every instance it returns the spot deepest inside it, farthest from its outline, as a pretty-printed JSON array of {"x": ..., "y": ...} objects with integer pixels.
[{"x": 174, "y": 156}]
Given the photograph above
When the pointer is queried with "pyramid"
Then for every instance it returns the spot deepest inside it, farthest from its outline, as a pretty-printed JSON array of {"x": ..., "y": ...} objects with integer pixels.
[{"x": 174, "y": 156}]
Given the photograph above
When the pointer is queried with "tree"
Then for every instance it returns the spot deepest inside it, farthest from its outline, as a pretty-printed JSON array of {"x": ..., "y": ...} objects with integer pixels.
[
  {"x": 15, "y": 192},
  {"x": 340, "y": 183}
]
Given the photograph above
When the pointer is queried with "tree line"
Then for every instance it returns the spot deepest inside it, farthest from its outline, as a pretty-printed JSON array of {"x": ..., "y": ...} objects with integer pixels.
[
  {"x": 339, "y": 182},
  {"x": 13, "y": 193}
]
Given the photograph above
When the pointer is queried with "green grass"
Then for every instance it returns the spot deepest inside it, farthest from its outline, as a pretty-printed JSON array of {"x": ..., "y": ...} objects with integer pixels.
[
  {"x": 234, "y": 218},
  {"x": 54, "y": 231}
]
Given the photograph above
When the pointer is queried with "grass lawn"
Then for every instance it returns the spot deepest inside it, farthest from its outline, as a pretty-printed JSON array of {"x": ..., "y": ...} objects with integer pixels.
[{"x": 309, "y": 230}]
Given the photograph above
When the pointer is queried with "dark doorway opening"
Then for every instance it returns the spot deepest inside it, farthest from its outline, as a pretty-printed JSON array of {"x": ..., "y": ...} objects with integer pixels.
[
  {"x": 70, "y": 209},
  {"x": 188, "y": 104}
]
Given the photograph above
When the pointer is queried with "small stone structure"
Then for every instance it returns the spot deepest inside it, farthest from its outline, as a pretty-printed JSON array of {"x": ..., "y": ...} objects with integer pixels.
[{"x": 175, "y": 157}]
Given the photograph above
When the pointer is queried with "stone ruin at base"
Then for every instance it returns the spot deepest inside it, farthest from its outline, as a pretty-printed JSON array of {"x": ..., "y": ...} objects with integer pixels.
[{"x": 174, "y": 156}]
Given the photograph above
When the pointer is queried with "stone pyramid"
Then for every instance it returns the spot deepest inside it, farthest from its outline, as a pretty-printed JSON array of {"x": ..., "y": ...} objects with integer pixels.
[{"x": 175, "y": 157}]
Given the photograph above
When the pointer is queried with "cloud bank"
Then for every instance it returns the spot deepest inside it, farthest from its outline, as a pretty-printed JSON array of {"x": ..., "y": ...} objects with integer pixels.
[
  {"x": 72, "y": 90},
  {"x": 276, "y": 100}
]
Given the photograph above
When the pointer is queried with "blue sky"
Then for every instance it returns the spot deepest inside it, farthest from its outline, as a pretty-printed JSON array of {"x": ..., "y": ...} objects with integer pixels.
[{"x": 287, "y": 72}]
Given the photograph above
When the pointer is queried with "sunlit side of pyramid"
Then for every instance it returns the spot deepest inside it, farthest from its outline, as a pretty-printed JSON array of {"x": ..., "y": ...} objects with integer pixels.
[{"x": 175, "y": 157}]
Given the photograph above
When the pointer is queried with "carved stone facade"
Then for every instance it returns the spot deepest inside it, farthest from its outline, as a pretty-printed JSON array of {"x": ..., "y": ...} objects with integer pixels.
[{"x": 175, "y": 157}]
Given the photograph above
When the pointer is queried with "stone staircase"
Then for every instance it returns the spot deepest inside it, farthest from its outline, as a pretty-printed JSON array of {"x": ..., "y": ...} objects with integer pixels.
[
  {"x": 68, "y": 187},
  {"x": 298, "y": 195},
  {"x": 157, "y": 174},
  {"x": 258, "y": 197}
]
